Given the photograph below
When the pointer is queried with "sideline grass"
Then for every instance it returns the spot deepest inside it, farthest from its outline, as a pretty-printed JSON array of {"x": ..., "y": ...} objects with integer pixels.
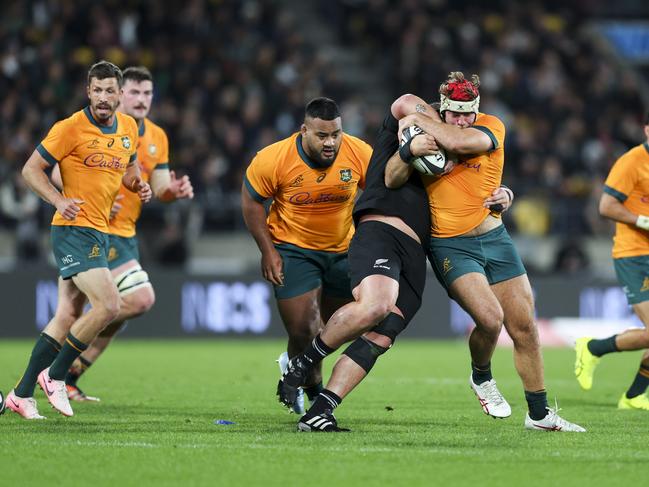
[{"x": 414, "y": 421}]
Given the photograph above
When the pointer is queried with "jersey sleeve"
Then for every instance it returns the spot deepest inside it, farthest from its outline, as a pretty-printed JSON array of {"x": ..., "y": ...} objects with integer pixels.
[
  {"x": 57, "y": 143},
  {"x": 135, "y": 138},
  {"x": 622, "y": 178},
  {"x": 494, "y": 128},
  {"x": 163, "y": 162},
  {"x": 365, "y": 154},
  {"x": 261, "y": 178}
]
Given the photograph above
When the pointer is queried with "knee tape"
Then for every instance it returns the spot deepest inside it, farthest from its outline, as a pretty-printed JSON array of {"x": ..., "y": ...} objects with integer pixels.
[
  {"x": 131, "y": 280},
  {"x": 364, "y": 352}
]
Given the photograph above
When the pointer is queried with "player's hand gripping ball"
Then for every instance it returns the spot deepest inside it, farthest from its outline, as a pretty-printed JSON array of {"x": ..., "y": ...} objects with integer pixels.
[{"x": 432, "y": 164}]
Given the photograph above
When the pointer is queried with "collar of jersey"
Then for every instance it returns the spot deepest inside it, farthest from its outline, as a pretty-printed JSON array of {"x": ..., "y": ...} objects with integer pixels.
[
  {"x": 141, "y": 128},
  {"x": 104, "y": 129},
  {"x": 646, "y": 146},
  {"x": 305, "y": 157}
]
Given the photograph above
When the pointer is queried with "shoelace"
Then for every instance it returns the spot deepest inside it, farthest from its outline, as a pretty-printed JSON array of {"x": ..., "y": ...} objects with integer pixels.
[
  {"x": 553, "y": 414},
  {"x": 493, "y": 394}
]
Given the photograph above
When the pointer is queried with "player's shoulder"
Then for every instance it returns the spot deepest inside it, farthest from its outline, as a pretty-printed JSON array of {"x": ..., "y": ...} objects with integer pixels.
[
  {"x": 126, "y": 121},
  {"x": 279, "y": 149},
  {"x": 638, "y": 154},
  {"x": 354, "y": 141},
  {"x": 488, "y": 120},
  {"x": 77, "y": 119},
  {"x": 156, "y": 130},
  {"x": 356, "y": 145}
]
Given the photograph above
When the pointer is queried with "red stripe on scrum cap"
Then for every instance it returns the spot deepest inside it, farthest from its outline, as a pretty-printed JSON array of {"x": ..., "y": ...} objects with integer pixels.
[{"x": 462, "y": 91}]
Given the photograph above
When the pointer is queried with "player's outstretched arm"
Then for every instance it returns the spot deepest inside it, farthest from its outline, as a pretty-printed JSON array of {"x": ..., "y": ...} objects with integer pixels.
[
  {"x": 611, "y": 208},
  {"x": 36, "y": 178},
  {"x": 166, "y": 187},
  {"x": 254, "y": 215}
]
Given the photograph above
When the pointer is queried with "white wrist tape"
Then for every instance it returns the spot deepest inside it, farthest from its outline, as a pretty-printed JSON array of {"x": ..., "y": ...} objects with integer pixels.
[{"x": 642, "y": 222}]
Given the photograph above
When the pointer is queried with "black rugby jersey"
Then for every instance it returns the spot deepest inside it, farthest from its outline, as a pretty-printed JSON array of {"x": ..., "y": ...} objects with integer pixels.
[{"x": 409, "y": 202}]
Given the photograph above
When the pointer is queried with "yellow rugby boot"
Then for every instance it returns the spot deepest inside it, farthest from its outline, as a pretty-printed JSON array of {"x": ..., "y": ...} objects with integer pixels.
[
  {"x": 585, "y": 363},
  {"x": 639, "y": 402}
]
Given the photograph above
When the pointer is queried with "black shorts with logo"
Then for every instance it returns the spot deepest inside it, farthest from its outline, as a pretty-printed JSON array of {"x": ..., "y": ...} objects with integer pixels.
[{"x": 378, "y": 248}]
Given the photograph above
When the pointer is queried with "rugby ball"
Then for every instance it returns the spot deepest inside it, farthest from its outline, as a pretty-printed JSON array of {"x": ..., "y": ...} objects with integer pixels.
[{"x": 432, "y": 164}]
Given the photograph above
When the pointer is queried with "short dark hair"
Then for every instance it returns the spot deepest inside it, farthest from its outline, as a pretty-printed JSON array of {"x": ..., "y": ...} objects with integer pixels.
[
  {"x": 138, "y": 74},
  {"x": 322, "y": 108},
  {"x": 104, "y": 69}
]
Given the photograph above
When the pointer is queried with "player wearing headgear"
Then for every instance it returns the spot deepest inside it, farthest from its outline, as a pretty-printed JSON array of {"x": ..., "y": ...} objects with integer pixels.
[
  {"x": 388, "y": 275},
  {"x": 470, "y": 250},
  {"x": 624, "y": 201},
  {"x": 312, "y": 178}
]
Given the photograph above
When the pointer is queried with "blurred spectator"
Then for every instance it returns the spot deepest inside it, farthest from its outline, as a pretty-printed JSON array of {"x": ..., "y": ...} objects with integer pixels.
[
  {"x": 569, "y": 111},
  {"x": 19, "y": 207},
  {"x": 233, "y": 76},
  {"x": 571, "y": 259}
]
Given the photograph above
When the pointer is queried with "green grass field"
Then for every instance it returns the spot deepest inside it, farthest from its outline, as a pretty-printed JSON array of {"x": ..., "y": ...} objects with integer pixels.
[{"x": 414, "y": 421}]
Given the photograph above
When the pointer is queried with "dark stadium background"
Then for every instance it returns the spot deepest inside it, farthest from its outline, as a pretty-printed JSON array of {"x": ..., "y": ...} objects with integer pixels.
[{"x": 570, "y": 80}]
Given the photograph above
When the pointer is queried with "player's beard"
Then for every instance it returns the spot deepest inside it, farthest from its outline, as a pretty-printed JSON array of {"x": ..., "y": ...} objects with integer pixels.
[
  {"x": 104, "y": 106},
  {"x": 317, "y": 156}
]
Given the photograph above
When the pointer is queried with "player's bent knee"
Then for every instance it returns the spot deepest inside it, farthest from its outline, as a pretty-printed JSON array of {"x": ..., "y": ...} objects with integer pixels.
[
  {"x": 141, "y": 301},
  {"x": 491, "y": 322},
  {"x": 132, "y": 280},
  {"x": 364, "y": 352}
]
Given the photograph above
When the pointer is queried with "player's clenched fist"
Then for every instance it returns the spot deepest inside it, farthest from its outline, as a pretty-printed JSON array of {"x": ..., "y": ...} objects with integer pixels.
[
  {"x": 181, "y": 188},
  {"x": 142, "y": 189},
  {"x": 68, "y": 208}
]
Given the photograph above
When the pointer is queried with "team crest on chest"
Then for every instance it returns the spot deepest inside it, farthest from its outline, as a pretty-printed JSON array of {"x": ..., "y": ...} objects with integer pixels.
[
  {"x": 345, "y": 175},
  {"x": 126, "y": 142},
  {"x": 152, "y": 149}
]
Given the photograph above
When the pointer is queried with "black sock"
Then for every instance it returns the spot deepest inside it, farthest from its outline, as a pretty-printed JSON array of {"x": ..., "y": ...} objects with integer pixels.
[
  {"x": 537, "y": 403},
  {"x": 77, "y": 370},
  {"x": 481, "y": 373},
  {"x": 325, "y": 400},
  {"x": 603, "y": 346},
  {"x": 640, "y": 382},
  {"x": 43, "y": 354},
  {"x": 71, "y": 349},
  {"x": 313, "y": 391},
  {"x": 317, "y": 350}
]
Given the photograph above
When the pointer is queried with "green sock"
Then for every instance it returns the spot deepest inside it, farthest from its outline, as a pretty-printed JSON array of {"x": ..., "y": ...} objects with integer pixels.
[
  {"x": 537, "y": 404},
  {"x": 640, "y": 382},
  {"x": 77, "y": 370},
  {"x": 481, "y": 373},
  {"x": 43, "y": 354},
  {"x": 71, "y": 349},
  {"x": 603, "y": 346}
]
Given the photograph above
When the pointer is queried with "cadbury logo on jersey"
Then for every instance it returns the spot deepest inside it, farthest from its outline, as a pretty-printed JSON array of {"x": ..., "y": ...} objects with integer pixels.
[
  {"x": 99, "y": 159},
  {"x": 306, "y": 198}
]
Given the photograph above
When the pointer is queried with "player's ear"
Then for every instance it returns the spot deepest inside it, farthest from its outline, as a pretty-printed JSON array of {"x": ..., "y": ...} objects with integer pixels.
[{"x": 303, "y": 129}]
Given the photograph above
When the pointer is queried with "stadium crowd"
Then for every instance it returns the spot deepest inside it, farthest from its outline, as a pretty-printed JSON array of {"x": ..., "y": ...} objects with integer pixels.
[
  {"x": 232, "y": 77},
  {"x": 569, "y": 111}
]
